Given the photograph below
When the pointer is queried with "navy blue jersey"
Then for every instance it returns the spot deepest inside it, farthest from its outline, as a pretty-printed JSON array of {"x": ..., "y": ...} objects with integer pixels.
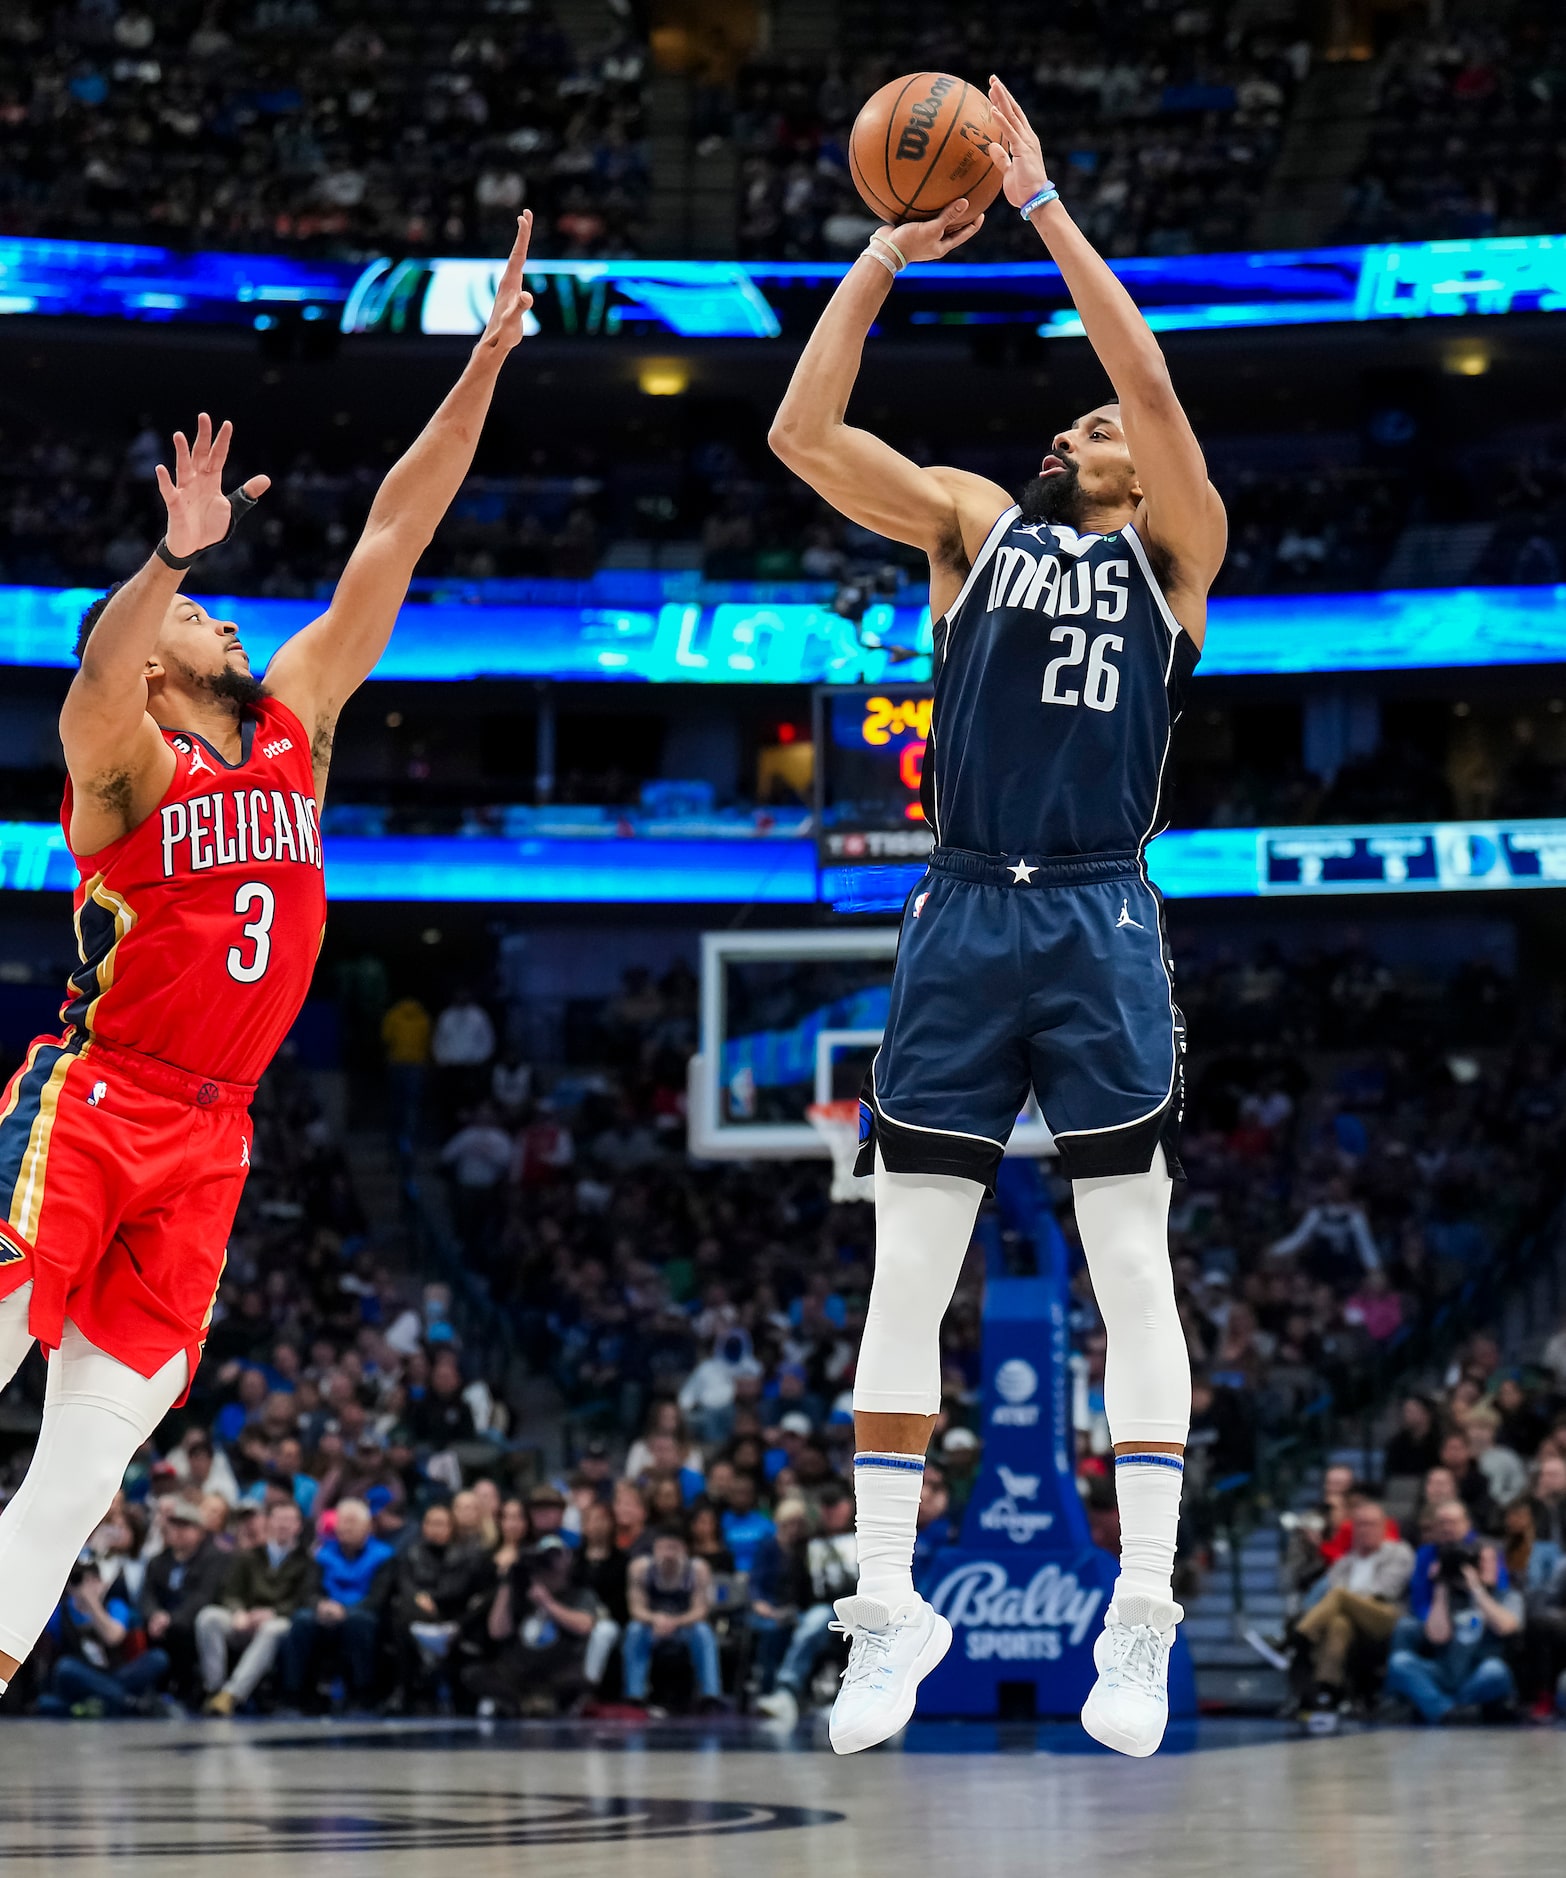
[{"x": 1058, "y": 672}]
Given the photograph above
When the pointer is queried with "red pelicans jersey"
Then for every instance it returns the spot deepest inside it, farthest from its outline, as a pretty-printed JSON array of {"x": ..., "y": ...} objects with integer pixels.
[{"x": 198, "y": 931}]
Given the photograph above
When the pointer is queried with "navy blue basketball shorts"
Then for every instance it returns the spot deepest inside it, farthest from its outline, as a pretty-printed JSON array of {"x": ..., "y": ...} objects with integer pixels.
[{"x": 1020, "y": 973}]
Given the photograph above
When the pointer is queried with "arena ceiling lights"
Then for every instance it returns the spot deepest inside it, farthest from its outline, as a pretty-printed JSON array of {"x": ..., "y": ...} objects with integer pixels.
[{"x": 697, "y": 300}]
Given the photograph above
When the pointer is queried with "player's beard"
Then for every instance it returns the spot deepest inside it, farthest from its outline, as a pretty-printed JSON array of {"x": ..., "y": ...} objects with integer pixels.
[
  {"x": 1054, "y": 498},
  {"x": 240, "y": 692}
]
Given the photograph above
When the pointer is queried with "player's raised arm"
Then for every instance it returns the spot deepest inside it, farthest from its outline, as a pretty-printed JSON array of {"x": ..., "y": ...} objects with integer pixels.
[
  {"x": 316, "y": 672},
  {"x": 945, "y": 512},
  {"x": 114, "y": 751},
  {"x": 1183, "y": 513}
]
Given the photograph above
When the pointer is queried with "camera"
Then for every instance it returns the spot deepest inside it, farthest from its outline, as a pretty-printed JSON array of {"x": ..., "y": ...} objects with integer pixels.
[{"x": 1452, "y": 1561}]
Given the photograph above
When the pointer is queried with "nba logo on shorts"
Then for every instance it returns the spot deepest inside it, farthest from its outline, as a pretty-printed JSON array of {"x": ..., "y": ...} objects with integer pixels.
[
  {"x": 918, "y": 905},
  {"x": 99, "y": 1091}
]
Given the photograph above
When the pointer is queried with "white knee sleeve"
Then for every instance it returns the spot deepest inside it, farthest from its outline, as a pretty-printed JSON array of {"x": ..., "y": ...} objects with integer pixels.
[
  {"x": 923, "y": 1223},
  {"x": 15, "y": 1338},
  {"x": 1124, "y": 1224},
  {"x": 97, "y": 1412}
]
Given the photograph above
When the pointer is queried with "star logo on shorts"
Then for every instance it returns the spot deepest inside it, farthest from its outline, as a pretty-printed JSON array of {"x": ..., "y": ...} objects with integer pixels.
[{"x": 1022, "y": 873}]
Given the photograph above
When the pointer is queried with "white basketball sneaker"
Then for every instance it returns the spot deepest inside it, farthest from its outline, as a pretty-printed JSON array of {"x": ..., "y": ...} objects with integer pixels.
[
  {"x": 890, "y": 1653},
  {"x": 1128, "y": 1706}
]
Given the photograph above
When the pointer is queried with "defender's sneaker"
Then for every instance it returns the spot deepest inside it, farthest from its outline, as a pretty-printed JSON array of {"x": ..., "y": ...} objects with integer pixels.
[
  {"x": 890, "y": 1654},
  {"x": 1128, "y": 1706}
]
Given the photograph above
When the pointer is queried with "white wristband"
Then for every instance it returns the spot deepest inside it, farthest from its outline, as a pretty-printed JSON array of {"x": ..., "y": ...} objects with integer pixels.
[{"x": 875, "y": 254}]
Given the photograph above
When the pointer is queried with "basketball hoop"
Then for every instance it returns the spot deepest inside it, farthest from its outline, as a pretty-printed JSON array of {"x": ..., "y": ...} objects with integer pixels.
[{"x": 838, "y": 1124}]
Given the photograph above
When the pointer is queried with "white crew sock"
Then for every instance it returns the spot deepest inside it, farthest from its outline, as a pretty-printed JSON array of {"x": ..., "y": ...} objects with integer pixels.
[
  {"x": 1148, "y": 1489},
  {"x": 886, "y": 1522}
]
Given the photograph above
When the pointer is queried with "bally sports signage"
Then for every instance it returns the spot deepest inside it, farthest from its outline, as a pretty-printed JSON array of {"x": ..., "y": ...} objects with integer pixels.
[{"x": 1025, "y": 1589}]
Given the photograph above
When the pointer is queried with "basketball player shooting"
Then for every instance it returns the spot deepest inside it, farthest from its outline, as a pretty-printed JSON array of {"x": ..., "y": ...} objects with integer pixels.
[
  {"x": 192, "y": 811},
  {"x": 1033, "y": 951}
]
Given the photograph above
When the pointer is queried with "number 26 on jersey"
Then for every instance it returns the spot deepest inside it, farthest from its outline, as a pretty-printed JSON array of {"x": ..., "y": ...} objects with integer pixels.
[{"x": 1099, "y": 686}]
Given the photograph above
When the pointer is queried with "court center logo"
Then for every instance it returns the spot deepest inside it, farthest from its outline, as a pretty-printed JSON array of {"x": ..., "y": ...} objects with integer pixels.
[
  {"x": 55, "y": 1826},
  {"x": 1016, "y": 1383},
  {"x": 1030, "y": 1623}
]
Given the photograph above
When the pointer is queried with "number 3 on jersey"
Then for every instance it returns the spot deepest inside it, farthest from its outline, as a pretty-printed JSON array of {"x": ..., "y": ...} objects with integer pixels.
[
  {"x": 253, "y": 895},
  {"x": 1101, "y": 683}
]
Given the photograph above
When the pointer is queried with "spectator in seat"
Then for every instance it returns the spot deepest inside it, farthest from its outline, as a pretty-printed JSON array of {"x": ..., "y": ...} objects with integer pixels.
[
  {"x": 345, "y": 1620},
  {"x": 1543, "y": 1666},
  {"x": 1449, "y": 1655},
  {"x": 832, "y": 1571},
  {"x": 1458, "y": 1456},
  {"x": 434, "y": 1581},
  {"x": 1360, "y": 1608},
  {"x": 264, "y": 1590},
  {"x": 185, "y": 1577},
  {"x": 405, "y": 1037},
  {"x": 670, "y": 1598},
  {"x": 1416, "y": 1446},
  {"x": 601, "y": 1566},
  {"x": 744, "y": 1523},
  {"x": 1502, "y": 1467},
  {"x": 441, "y": 1418},
  {"x": 478, "y": 1158},
  {"x": 1549, "y": 1499},
  {"x": 464, "y": 1042},
  {"x": 97, "y": 1670},
  {"x": 779, "y": 1588},
  {"x": 551, "y": 1639}
]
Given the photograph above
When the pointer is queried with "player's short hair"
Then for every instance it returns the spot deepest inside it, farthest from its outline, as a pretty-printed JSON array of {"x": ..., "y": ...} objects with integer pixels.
[{"x": 91, "y": 618}]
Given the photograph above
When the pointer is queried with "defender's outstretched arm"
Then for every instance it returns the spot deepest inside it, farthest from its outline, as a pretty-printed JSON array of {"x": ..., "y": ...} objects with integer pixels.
[
  {"x": 316, "y": 672},
  {"x": 945, "y": 512},
  {"x": 113, "y": 750},
  {"x": 1184, "y": 514}
]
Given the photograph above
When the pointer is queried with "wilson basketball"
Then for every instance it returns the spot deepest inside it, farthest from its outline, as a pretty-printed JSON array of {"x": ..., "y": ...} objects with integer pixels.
[{"x": 919, "y": 144}]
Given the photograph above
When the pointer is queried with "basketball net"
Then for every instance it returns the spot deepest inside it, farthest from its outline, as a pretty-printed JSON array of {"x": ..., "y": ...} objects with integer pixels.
[{"x": 838, "y": 1125}]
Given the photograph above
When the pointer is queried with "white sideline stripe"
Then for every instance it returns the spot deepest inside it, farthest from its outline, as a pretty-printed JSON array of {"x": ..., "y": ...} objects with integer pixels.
[
  {"x": 1147, "y": 568},
  {"x": 991, "y": 541}
]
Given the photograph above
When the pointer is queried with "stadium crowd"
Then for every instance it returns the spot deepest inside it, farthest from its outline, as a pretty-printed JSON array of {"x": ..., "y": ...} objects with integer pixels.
[
  {"x": 1469, "y": 120},
  {"x": 353, "y": 1513},
  {"x": 321, "y": 126},
  {"x": 1160, "y": 123},
  {"x": 79, "y": 507}
]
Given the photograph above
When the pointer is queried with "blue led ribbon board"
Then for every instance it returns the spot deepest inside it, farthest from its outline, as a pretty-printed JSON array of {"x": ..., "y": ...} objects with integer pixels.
[
  {"x": 1214, "y": 863},
  {"x": 803, "y": 642},
  {"x": 698, "y": 300}
]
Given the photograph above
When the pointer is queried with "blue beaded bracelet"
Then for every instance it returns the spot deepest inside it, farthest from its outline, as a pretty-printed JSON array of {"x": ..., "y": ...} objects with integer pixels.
[{"x": 1049, "y": 193}]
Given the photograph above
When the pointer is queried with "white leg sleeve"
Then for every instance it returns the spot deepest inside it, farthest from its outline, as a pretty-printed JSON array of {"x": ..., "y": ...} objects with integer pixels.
[
  {"x": 1124, "y": 1223},
  {"x": 97, "y": 1412},
  {"x": 923, "y": 1223},
  {"x": 15, "y": 1338}
]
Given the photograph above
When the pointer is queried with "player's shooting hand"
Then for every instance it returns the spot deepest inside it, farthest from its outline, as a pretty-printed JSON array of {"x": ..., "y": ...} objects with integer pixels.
[
  {"x": 928, "y": 241},
  {"x": 512, "y": 300},
  {"x": 1017, "y": 156},
  {"x": 199, "y": 512}
]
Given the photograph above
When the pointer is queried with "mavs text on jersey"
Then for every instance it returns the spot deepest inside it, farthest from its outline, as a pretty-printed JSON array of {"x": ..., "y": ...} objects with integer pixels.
[{"x": 1033, "y": 952}]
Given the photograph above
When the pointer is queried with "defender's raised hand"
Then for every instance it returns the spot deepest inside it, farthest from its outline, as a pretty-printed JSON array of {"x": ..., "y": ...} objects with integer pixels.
[
  {"x": 200, "y": 515},
  {"x": 504, "y": 327},
  {"x": 1017, "y": 155}
]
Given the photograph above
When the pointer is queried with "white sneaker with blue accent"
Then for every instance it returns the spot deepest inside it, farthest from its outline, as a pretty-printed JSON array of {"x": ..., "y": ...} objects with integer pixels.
[
  {"x": 890, "y": 1653},
  {"x": 1128, "y": 1707}
]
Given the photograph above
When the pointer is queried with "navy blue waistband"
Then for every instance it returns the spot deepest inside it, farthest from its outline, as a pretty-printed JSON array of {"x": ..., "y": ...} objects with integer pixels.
[{"x": 1035, "y": 870}]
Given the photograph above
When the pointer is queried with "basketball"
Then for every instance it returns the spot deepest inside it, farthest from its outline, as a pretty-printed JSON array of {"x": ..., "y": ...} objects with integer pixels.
[{"x": 920, "y": 143}]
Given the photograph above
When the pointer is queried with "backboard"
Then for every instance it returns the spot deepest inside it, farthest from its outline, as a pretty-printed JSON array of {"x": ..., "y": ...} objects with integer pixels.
[{"x": 789, "y": 1019}]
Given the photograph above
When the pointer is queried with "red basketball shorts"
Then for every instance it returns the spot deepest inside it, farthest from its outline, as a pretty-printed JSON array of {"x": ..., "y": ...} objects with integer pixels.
[{"x": 119, "y": 1180}]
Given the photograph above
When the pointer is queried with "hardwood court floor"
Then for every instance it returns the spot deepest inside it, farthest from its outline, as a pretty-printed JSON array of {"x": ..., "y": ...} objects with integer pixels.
[{"x": 86, "y": 1800}]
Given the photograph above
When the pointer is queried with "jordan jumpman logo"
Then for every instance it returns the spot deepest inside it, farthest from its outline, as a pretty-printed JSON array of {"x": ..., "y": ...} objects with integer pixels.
[{"x": 1125, "y": 918}]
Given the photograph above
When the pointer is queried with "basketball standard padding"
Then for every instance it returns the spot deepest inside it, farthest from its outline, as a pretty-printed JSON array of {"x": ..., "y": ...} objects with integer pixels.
[{"x": 919, "y": 144}]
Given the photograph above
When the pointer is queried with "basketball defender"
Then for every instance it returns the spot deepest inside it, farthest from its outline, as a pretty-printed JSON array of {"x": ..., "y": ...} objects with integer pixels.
[
  {"x": 1033, "y": 950},
  {"x": 191, "y": 809}
]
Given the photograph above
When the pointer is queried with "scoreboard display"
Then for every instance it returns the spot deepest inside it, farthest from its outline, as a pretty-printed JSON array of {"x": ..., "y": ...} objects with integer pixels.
[{"x": 870, "y": 742}]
